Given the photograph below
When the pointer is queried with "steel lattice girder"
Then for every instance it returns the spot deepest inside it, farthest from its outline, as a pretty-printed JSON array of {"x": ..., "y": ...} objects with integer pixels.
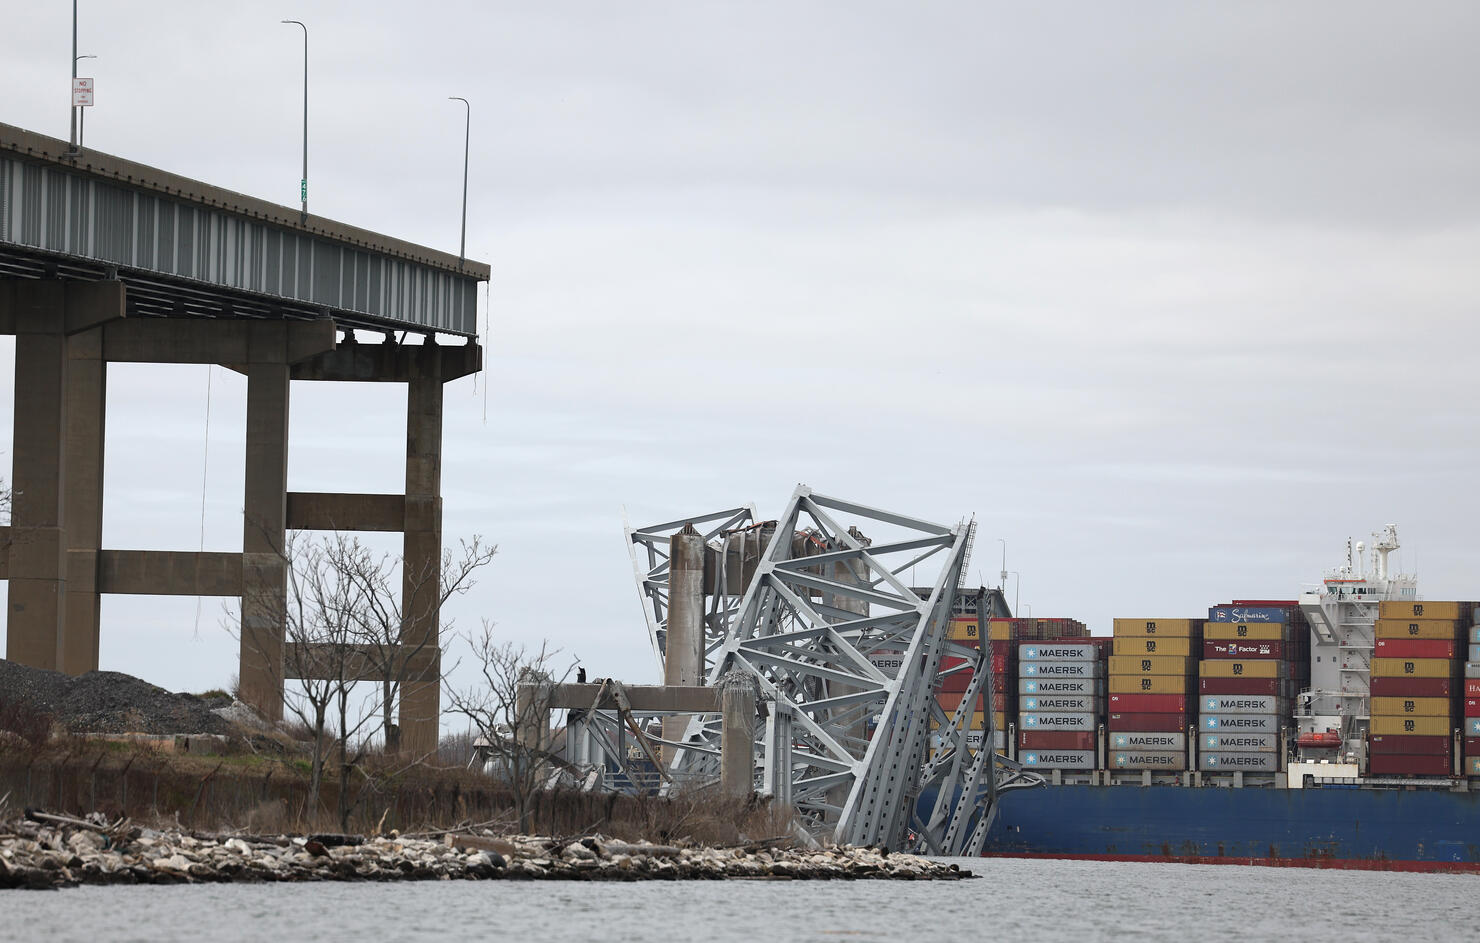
[{"x": 806, "y": 635}]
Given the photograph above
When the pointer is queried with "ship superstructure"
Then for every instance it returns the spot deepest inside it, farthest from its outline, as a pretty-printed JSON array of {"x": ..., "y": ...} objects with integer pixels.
[{"x": 1333, "y": 714}]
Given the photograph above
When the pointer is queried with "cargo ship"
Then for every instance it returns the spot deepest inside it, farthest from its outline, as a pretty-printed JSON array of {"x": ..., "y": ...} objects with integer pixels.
[{"x": 1340, "y": 729}]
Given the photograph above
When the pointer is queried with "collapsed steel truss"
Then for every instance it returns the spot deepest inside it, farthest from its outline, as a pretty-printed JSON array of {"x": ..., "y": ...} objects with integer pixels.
[{"x": 847, "y": 657}]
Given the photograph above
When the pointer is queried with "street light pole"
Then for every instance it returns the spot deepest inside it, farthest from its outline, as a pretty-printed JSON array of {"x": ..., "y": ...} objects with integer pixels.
[
  {"x": 74, "y": 76},
  {"x": 1017, "y": 591},
  {"x": 1002, "y": 581},
  {"x": 462, "y": 246},
  {"x": 81, "y": 118},
  {"x": 303, "y": 184}
]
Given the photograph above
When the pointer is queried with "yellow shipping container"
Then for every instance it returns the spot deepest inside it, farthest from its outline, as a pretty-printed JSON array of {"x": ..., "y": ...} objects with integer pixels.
[
  {"x": 963, "y": 629},
  {"x": 1142, "y": 627},
  {"x": 1149, "y": 664},
  {"x": 1254, "y": 631},
  {"x": 1410, "y": 706},
  {"x": 1414, "y": 667},
  {"x": 1151, "y": 684},
  {"x": 1228, "y": 668},
  {"x": 1446, "y": 629},
  {"x": 1152, "y": 645},
  {"x": 978, "y": 720},
  {"x": 1408, "y": 609},
  {"x": 999, "y": 630},
  {"x": 1418, "y": 726}
]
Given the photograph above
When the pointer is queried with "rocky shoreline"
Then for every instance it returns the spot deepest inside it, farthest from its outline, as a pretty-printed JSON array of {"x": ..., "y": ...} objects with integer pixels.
[{"x": 46, "y": 851}]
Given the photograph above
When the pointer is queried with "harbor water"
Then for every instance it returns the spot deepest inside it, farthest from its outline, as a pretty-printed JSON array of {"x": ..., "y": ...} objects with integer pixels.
[{"x": 1031, "y": 899}]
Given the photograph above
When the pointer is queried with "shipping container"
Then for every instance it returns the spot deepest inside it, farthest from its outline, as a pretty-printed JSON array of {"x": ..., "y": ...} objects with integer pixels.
[
  {"x": 1045, "y": 651},
  {"x": 1149, "y": 665},
  {"x": 1472, "y": 746},
  {"x": 1249, "y": 614},
  {"x": 1042, "y": 721},
  {"x": 1427, "y": 609},
  {"x": 1230, "y": 668},
  {"x": 1474, "y": 636},
  {"x": 1471, "y": 727},
  {"x": 1060, "y": 704},
  {"x": 1056, "y": 740},
  {"x": 1057, "y": 759},
  {"x": 1413, "y": 667},
  {"x": 1472, "y": 687},
  {"x": 1147, "y": 740},
  {"x": 1472, "y": 707},
  {"x": 1150, "y": 684},
  {"x": 949, "y": 701},
  {"x": 1416, "y": 629},
  {"x": 1416, "y": 706},
  {"x": 1241, "y": 704},
  {"x": 1422, "y": 726},
  {"x": 1149, "y": 723},
  {"x": 1472, "y": 766},
  {"x": 1413, "y": 687},
  {"x": 1143, "y": 627},
  {"x": 1171, "y": 760},
  {"x": 963, "y": 628},
  {"x": 1416, "y": 648},
  {"x": 1000, "y": 630},
  {"x": 1472, "y": 669},
  {"x": 1279, "y": 686},
  {"x": 1061, "y": 686},
  {"x": 1152, "y": 645},
  {"x": 1410, "y": 745},
  {"x": 1233, "y": 648},
  {"x": 975, "y": 721},
  {"x": 1147, "y": 703},
  {"x": 1384, "y": 765},
  {"x": 1239, "y": 742},
  {"x": 1060, "y": 669},
  {"x": 1474, "y": 653},
  {"x": 1265, "y": 762},
  {"x": 1253, "y": 632},
  {"x": 1240, "y": 723}
]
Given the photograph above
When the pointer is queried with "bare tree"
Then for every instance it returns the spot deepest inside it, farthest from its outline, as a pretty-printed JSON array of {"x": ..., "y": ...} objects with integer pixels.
[
  {"x": 384, "y": 626},
  {"x": 509, "y": 707}
]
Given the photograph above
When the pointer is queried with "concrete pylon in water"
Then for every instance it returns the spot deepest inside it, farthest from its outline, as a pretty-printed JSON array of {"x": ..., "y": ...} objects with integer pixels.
[{"x": 683, "y": 652}]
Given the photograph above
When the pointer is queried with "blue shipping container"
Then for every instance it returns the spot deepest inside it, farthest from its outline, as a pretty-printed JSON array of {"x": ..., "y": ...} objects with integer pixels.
[{"x": 1248, "y": 614}]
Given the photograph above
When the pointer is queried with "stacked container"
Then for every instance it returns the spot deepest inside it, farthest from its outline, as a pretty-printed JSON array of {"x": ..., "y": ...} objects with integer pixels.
[
  {"x": 965, "y": 630},
  {"x": 1252, "y": 658},
  {"x": 1060, "y": 701},
  {"x": 1150, "y": 683},
  {"x": 1416, "y": 669}
]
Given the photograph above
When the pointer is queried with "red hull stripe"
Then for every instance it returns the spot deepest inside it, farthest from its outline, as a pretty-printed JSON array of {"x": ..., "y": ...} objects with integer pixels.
[{"x": 1342, "y": 864}]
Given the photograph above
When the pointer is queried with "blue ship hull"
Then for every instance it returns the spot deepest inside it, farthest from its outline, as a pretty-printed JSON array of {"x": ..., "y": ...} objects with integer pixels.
[{"x": 1325, "y": 827}]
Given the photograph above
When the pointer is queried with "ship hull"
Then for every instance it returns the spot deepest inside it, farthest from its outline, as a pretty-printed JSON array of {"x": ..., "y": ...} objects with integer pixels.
[{"x": 1324, "y": 828}]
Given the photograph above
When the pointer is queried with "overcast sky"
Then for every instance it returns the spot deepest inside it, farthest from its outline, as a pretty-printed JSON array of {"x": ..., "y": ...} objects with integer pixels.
[{"x": 1173, "y": 297}]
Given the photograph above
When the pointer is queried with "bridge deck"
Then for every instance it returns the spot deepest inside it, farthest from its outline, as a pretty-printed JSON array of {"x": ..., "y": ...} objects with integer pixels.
[{"x": 185, "y": 248}]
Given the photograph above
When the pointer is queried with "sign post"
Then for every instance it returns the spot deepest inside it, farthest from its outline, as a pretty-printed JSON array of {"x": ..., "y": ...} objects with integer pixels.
[{"x": 82, "y": 97}]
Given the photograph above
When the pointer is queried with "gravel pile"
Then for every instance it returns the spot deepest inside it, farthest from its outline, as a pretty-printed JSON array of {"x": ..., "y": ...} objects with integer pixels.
[{"x": 109, "y": 702}]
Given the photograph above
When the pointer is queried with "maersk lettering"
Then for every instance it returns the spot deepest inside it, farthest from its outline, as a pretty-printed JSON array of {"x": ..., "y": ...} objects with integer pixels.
[{"x": 1149, "y": 741}]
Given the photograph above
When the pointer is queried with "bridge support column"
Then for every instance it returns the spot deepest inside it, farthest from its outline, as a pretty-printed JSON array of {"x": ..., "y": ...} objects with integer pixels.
[
  {"x": 87, "y": 394},
  {"x": 264, "y": 530},
  {"x": 421, "y": 569}
]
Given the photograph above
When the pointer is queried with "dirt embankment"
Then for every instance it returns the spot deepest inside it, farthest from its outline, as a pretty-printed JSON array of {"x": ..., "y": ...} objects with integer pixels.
[{"x": 108, "y": 702}]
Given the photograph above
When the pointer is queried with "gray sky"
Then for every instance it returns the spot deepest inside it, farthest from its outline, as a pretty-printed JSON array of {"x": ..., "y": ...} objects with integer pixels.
[{"x": 1173, "y": 297}]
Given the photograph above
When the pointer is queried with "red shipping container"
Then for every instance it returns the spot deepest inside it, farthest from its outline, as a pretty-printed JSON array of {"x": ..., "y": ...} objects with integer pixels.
[
  {"x": 1472, "y": 707},
  {"x": 1220, "y": 648},
  {"x": 1397, "y": 765},
  {"x": 1472, "y": 746},
  {"x": 1056, "y": 740},
  {"x": 1412, "y": 687},
  {"x": 1414, "y": 648},
  {"x": 1148, "y": 723},
  {"x": 1388, "y": 744},
  {"x": 1148, "y": 703},
  {"x": 1240, "y": 685},
  {"x": 949, "y": 701}
]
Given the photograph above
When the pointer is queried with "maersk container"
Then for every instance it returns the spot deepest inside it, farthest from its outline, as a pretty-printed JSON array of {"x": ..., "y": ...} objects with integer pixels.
[
  {"x": 1237, "y": 648},
  {"x": 1060, "y": 669},
  {"x": 1072, "y": 704},
  {"x": 1169, "y": 760},
  {"x": 1239, "y": 742},
  {"x": 1472, "y": 766},
  {"x": 1057, "y": 759},
  {"x": 1472, "y": 727},
  {"x": 1148, "y": 723},
  {"x": 1263, "y": 762},
  {"x": 1412, "y": 687},
  {"x": 1240, "y": 704},
  {"x": 1147, "y": 740},
  {"x": 1411, "y": 706},
  {"x": 1384, "y": 765},
  {"x": 1475, "y": 636},
  {"x": 1055, "y": 740},
  {"x": 1475, "y": 653},
  {"x": 1248, "y": 614},
  {"x": 1240, "y": 723},
  {"x": 1081, "y": 687},
  {"x": 1044, "y": 651},
  {"x": 1043, "y": 721}
]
